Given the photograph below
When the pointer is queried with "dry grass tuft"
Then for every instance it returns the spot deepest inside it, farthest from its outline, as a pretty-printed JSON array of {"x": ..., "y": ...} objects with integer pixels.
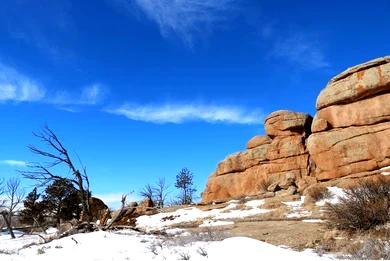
[{"x": 317, "y": 192}]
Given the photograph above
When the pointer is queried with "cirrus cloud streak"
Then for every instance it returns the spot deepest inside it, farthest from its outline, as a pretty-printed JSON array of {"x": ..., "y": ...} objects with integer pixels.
[{"x": 181, "y": 113}]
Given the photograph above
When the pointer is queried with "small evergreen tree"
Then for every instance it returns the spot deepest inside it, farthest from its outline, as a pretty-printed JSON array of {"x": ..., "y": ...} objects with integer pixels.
[
  {"x": 184, "y": 182},
  {"x": 63, "y": 200},
  {"x": 34, "y": 210}
]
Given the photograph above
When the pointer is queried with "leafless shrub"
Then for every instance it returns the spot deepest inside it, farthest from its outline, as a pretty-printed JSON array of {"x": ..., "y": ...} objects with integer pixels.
[
  {"x": 318, "y": 192},
  {"x": 202, "y": 251},
  {"x": 363, "y": 207},
  {"x": 207, "y": 234},
  {"x": 184, "y": 256},
  {"x": 263, "y": 185},
  {"x": 7, "y": 252},
  {"x": 41, "y": 251},
  {"x": 155, "y": 246},
  {"x": 211, "y": 234},
  {"x": 153, "y": 249},
  {"x": 370, "y": 249}
]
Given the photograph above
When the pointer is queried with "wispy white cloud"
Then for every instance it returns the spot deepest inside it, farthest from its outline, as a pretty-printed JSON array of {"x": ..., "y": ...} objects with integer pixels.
[
  {"x": 90, "y": 95},
  {"x": 186, "y": 17},
  {"x": 300, "y": 49},
  {"x": 14, "y": 163},
  {"x": 180, "y": 113},
  {"x": 14, "y": 86},
  {"x": 17, "y": 87}
]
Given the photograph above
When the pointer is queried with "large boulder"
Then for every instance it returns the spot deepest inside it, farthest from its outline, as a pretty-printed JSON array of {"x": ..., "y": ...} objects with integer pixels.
[
  {"x": 351, "y": 128},
  {"x": 257, "y": 141},
  {"x": 356, "y": 83},
  {"x": 243, "y": 160},
  {"x": 359, "y": 113},
  {"x": 97, "y": 208},
  {"x": 286, "y": 123}
]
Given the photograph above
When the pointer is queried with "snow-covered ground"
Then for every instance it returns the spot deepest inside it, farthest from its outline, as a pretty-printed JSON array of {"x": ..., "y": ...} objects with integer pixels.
[
  {"x": 180, "y": 244},
  {"x": 193, "y": 214},
  {"x": 296, "y": 210},
  {"x": 130, "y": 245}
]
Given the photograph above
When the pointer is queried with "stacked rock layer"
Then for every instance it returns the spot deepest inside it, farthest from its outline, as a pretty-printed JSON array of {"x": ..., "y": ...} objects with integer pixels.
[
  {"x": 349, "y": 136},
  {"x": 351, "y": 130},
  {"x": 270, "y": 163}
]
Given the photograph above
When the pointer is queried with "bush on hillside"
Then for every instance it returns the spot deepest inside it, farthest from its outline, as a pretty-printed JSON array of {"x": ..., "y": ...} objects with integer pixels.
[{"x": 363, "y": 207}]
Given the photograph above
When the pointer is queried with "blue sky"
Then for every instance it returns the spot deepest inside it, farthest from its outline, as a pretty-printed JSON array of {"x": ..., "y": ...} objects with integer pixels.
[{"x": 141, "y": 88}]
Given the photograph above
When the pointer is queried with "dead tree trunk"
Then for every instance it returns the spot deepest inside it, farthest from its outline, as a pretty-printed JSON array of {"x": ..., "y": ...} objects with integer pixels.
[
  {"x": 7, "y": 220},
  {"x": 42, "y": 173}
]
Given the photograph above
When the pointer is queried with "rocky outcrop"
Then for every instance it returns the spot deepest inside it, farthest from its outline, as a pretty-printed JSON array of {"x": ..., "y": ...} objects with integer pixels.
[
  {"x": 268, "y": 160},
  {"x": 351, "y": 127},
  {"x": 357, "y": 83},
  {"x": 348, "y": 137},
  {"x": 97, "y": 208},
  {"x": 286, "y": 123}
]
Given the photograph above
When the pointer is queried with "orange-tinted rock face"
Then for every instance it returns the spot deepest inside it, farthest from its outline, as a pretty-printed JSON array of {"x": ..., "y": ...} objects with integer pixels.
[
  {"x": 286, "y": 123},
  {"x": 341, "y": 152},
  {"x": 257, "y": 141},
  {"x": 349, "y": 135},
  {"x": 357, "y": 83},
  {"x": 351, "y": 128},
  {"x": 268, "y": 159},
  {"x": 359, "y": 113}
]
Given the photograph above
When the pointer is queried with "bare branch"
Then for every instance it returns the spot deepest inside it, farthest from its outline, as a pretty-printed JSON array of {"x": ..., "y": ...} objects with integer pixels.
[
  {"x": 58, "y": 155},
  {"x": 161, "y": 192},
  {"x": 14, "y": 195}
]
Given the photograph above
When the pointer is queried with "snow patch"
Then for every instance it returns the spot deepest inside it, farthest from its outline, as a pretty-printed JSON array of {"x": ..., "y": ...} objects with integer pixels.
[
  {"x": 129, "y": 245},
  {"x": 296, "y": 209},
  {"x": 212, "y": 223},
  {"x": 336, "y": 194},
  {"x": 385, "y": 171},
  {"x": 255, "y": 203},
  {"x": 193, "y": 214}
]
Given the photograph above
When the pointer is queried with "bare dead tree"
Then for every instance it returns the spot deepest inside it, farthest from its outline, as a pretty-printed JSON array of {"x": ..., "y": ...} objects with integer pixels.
[
  {"x": 2, "y": 200},
  {"x": 13, "y": 197},
  {"x": 58, "y": 155},
  {"x": 121, "y": 212},
  {"x": 147, "y": 192},
  {"x": 161, "y": 192}
]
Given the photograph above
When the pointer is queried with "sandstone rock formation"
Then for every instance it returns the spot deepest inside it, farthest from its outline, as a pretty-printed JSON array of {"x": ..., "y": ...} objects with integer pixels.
[
  {"x": 278, "y": 159},
  {"x": 348, "y": 137},
  {"x": 351, "y": 129}
]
